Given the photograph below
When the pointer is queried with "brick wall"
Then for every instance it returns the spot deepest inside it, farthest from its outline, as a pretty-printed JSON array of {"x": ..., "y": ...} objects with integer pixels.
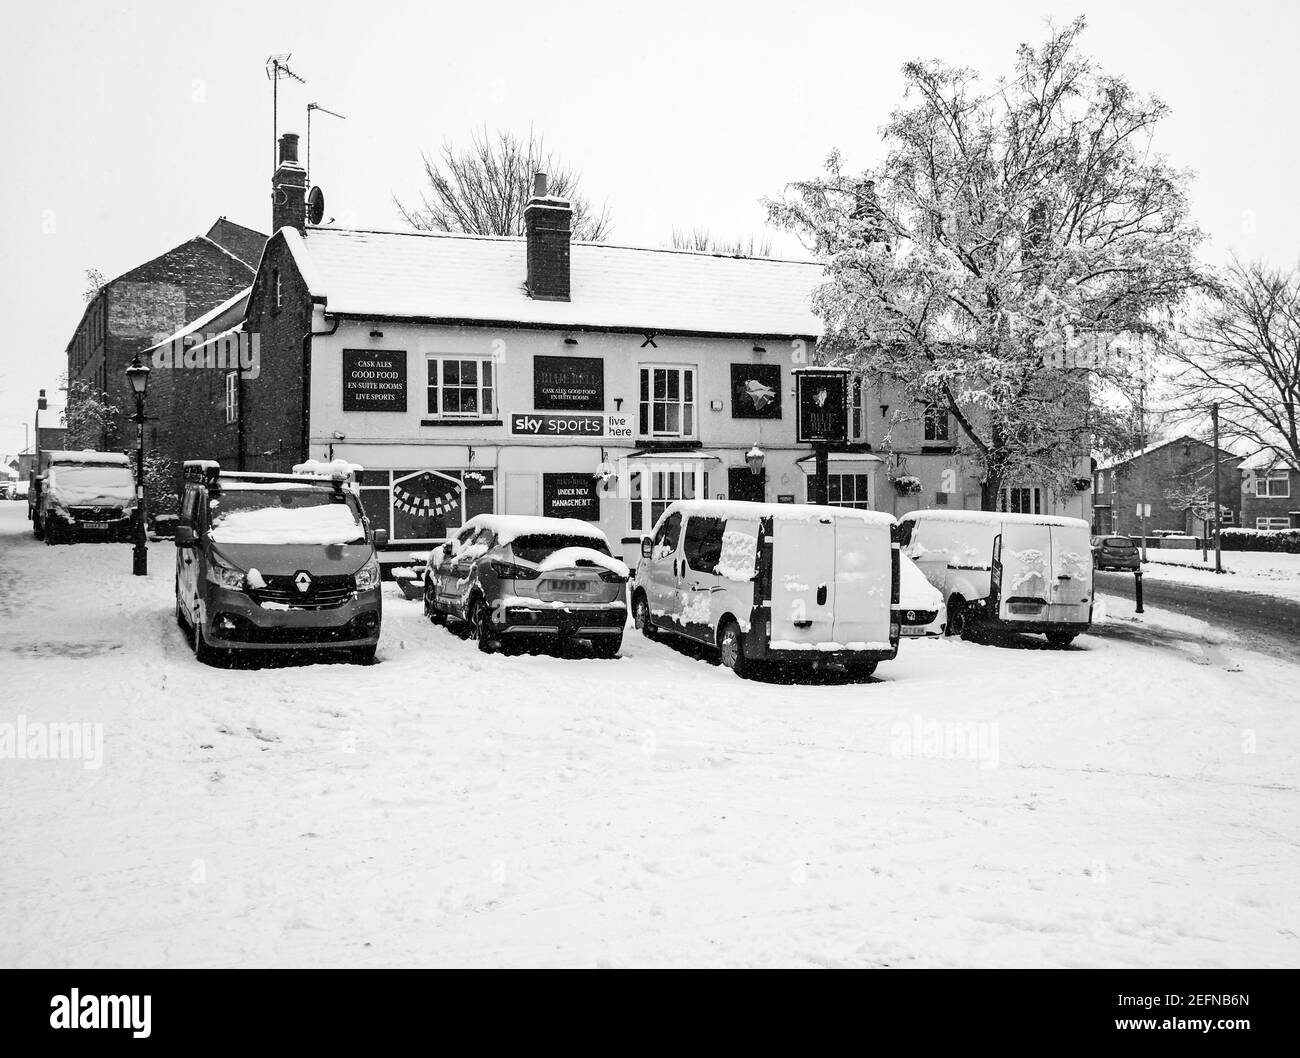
[
  {"x": 1173, "y": 467},
  {"x": 1254, "y": 507}
]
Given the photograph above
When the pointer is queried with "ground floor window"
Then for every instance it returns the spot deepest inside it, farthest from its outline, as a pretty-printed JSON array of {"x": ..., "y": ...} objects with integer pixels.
[
  {"x": 651, "y": 491},
  {"x": 423, "y": 506},
  {"x": 1272, "y": 523},
  {"x": 849, "y": 490},
  {"x": 1022, "y": 500}
]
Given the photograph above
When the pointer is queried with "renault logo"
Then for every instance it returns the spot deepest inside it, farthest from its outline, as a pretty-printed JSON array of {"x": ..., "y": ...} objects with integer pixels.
[
  {"x": 911, "y": 615},
  {"x": 302, "y": 580}
]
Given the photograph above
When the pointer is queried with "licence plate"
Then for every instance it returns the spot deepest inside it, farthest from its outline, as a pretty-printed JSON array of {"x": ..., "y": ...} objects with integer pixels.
[
  {"x": 569, "y": 587},
  {"x": 94, "y": 525},
  {"x": 913, "y": 630}
]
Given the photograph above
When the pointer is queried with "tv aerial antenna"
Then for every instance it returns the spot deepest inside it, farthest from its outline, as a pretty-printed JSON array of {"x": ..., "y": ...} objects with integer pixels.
[
  {"x": 323, "y": 110},
  {"x": 277, "y": 68}
]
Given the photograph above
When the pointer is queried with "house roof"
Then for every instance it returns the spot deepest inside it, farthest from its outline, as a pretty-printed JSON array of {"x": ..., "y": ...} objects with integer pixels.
[
  {"x": 242, "y": 242},
  {"x": 224, "y": 315},
  {"x": 1110, "y": 464},
  {"x": 1267, "y": 459},
  {"x": 480, "y": 279}
]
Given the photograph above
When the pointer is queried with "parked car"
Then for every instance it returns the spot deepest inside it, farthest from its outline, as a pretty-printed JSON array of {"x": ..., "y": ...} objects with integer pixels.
[
  {"x": 920, "y": 607},
  {"x": 510, "y": 580},
  {"x": 21, "y": 489},
  {"x": 277, "y": 562},
  {"x": 772, "y": 582},
  {"x": 1027, "y": 572},
  {"x": 1114, "y": 552},
  {"x": 9, "y": 490},
  {"x": 84, "y": 496}
]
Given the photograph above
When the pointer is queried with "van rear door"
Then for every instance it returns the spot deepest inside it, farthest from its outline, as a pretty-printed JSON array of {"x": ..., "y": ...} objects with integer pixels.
[
  {"x": 803, "y": 583},
  {"x": 1026, "y": 558},
  {"x": 1070, "y": 598},
  {"x": 863, "y": 577}
]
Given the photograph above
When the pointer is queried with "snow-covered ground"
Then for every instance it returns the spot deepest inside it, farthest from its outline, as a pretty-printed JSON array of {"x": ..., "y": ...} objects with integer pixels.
[
  {"x": 1131, "y": 801},
  {"x": 1260, "y": 572}
]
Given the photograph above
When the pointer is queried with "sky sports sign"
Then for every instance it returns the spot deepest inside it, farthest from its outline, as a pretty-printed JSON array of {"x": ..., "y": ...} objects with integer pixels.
[{"x": 531, "y": 424}]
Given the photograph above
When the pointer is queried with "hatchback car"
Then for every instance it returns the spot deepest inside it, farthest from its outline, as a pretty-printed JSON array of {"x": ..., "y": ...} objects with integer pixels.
[
  {"x": 508, "y": 580},
  {"x": 1114, "y": 552},
  {"x": 920, "y": 608}
]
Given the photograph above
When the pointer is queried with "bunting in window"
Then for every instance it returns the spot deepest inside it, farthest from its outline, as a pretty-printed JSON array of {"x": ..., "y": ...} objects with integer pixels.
[{"x": 427, "y": 495}]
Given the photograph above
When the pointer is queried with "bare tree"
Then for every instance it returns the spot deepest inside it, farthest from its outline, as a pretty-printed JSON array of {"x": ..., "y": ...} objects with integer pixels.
[
  {"x": 1015, "y": 237},
  {"x": 700, "y": 239},
  {"x": 94, "y": 284},
  {"x": 483, "y": 189},
  {"x": 1241, "y": 350}
]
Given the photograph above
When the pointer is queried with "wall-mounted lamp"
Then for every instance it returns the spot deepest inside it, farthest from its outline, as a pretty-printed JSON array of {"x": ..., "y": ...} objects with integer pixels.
[
  {"x": 759, "y": 349},
  {"x": 755, "y": 457},
  {"x": 339, "y": 435},
  {"x": 715, "y": 405},
  {"x": 376, "y": 333},
  {"x": 570, "y": 341}
]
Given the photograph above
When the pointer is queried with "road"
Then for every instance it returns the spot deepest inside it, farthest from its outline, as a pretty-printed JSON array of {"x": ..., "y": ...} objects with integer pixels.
[{"x": 1263, "y": 623}]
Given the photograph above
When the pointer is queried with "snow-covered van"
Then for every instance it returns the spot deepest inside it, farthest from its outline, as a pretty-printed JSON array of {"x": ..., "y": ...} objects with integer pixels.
[
  {"x": 277, "y": 561},
  {"x": 83, "y": 496},
  {"x": 1027, "y": 572},
  {"x": 772, "y": 582}
]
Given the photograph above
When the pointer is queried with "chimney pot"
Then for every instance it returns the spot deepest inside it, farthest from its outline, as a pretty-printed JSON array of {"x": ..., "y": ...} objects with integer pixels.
[
  {"x": 289, "y": 147},
  {"x": 289, "y": 188},
  {"x": 539, "y": 185}
]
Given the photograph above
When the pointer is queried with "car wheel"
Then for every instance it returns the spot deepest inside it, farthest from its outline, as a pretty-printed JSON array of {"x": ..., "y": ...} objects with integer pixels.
[
  {"x": 203, "y": 653},
  {"x": 641, "y": 617},
  {"x": 431, "y": 610},
  {"x": 364, "y": 655},
  {"x": 1060, "y": 640},
  {"x": 181, "y": 623},
  {"x": 480, "y": 630},
  {"x": 607, "y": 646},
  {"x": 958, "y": 621},
  {"x": 863, "y": 670},
  {"x": 731, "y": 648}
]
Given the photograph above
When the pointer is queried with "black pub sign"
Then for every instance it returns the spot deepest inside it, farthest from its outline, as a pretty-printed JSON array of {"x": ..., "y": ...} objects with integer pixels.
[
  {"x": 374, "y": 380},
  {"x": 822, "y": 400},
  {"x": 568, "y": 383},
  {"x": 570, "y": 496}
]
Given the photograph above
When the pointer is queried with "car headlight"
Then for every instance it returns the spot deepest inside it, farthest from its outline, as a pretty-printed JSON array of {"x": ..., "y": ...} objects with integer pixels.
[
  {"x": 367, "y": 576},
  {"x": 225, "y": 576}
]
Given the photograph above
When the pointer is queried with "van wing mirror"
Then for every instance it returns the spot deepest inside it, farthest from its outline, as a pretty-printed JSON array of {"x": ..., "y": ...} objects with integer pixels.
[
  {"x": 380, "y": 537},
  {"x": 446, "y": 549},
  {"x": 647, "y": 547},
  {"x": 185, "y": 536}
]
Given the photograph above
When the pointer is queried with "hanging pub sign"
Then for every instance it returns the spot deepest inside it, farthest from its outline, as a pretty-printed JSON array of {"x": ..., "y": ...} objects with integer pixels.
[
  {"x": 821, "y": 400},
  {"x": 756, "y": 391},
  {"x": 374, "y": 380},
  {"x": 568, "y": 383},
  {"x": 570, "y": 496}
]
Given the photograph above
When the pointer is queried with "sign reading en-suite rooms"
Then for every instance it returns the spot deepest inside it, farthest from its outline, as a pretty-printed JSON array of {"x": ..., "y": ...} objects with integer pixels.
[{"x": 374, "y": 380}]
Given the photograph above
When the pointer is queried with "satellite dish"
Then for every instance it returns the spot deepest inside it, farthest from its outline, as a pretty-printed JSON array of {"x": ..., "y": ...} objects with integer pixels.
[{"x": 315, "y": 206}]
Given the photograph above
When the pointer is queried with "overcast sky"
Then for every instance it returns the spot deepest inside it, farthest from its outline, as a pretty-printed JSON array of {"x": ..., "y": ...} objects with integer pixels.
[{"x": 129, "y": 127}]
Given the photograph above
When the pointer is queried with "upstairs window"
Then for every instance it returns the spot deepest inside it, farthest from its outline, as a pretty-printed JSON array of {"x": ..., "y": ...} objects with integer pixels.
[
  {"x": 667, "y": 404},
  {"x": 1275, "y": 485},
  {"x": 936, "y": 424},
  {"x": 232, "y": 396},
  {"x": 461, "y": 387}
]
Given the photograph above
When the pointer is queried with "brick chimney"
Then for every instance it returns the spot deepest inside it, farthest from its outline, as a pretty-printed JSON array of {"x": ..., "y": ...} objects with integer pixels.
[
  {"x": 548, "y": 224},
  {"x": 289, "y": 188}
]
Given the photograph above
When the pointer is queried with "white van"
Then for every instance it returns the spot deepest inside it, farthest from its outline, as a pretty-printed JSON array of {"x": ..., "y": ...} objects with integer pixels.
[
  {"x": 1027, "y": 572},
  {"x": 772, "y": 582}
]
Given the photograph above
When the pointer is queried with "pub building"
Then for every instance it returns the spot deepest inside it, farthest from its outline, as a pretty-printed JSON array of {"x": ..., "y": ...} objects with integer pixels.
[{"x": 537, "y": 375}]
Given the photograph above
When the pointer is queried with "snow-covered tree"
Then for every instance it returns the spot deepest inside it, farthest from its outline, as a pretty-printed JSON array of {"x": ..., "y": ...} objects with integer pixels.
[
  {"x": 484, "y": 188},
  {"x": 89, "y": 415},
  {"x": 1241, "y": 349},
  {"x": 1017, "y": 245}
]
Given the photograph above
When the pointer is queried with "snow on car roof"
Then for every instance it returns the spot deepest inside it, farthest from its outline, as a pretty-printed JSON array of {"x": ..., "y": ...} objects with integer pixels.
[
  {"x": 508, "y": 527},
  {"x": 88, "y": 458},
  {"x": 995, "y": 518},
  {"x": 781, "y": 512}
]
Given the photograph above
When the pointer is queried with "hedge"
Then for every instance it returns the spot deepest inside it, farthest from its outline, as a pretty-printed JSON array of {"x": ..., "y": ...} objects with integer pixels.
[{"x": 1287, "y": 540}]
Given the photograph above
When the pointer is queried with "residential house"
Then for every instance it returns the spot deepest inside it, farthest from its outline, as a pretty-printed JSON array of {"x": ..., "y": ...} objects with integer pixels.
[
  {"x": 1270, "y": 492},
  {"x": 1175, "y": 477}
]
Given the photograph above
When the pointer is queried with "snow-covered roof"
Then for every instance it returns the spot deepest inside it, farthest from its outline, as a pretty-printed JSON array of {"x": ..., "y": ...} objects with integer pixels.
[
  {"x": 994, "y": 518},
  {"x": 781, "y": 512},
  {"x": 434, "y": 275},
  {"x": 88, "y": 458},
  {"x": 509, "y": 527},
  {"x": 1264, "y": 460},
  {"x": 234, "y": 306}
]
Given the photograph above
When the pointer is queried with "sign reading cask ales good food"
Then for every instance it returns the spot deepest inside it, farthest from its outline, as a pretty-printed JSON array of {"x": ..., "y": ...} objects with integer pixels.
[
  {"x": 821, "y": 397},
  {"x": 570, "y": 496},
  {"x": 374, "y": 380},
  {"x": 568, "y": 383}
]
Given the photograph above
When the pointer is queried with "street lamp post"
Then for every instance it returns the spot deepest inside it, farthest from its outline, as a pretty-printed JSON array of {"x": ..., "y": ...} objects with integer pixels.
[{"x": 138, "y": 375}]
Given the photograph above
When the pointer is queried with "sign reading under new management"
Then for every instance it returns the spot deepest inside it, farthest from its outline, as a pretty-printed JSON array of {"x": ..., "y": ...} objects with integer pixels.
[
  {"x": 570, "y": 496},
  {"x": 374, "y": 380}
]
